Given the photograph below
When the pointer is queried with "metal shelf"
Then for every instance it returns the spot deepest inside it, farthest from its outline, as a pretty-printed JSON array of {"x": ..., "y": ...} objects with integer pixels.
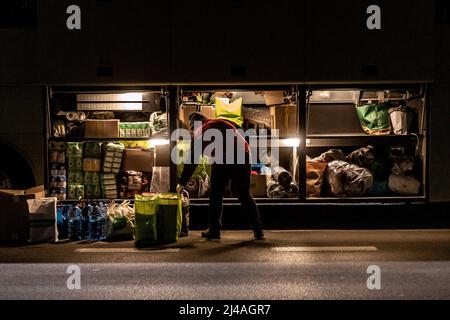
[
  {"x": 79, "y": 139},
  {"x": 351, "y": 140},
  {"x": 94, "y": 200}
]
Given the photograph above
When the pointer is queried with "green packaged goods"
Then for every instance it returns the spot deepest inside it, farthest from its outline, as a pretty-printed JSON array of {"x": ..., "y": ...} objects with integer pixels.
[
  {"x": 135, "y": 129},
  {"x": 92, "y": 149},
  {"x": 169, "y": 218},
  {"x": 120, "y": 222},
  {"x": 75, "y": 164},
  {"x": 92, "y": 192},
  {"x": 375, "y": 119},
  {"x": 76, "y": 191},
  {"x": 91, "y": 178},
  {"x": 75, "y": 177},
  {"x": 230, "y": 111},
  {"x": 146, "y": 209},
  {"x": 75, "y": 149}
]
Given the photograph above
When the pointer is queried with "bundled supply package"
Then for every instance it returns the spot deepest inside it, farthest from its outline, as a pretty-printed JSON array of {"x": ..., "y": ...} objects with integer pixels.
[
  {"x": 75, "y": 191},
  {"x": 158, "y": 124},
  {"x": 363, "y": 157},
  {"x": 109, "y": 185},
  {"x": 120, "y": 223},
  {"x": 92, "y": 149},
  {"x": 145, "y": 210},
  {"x": 402, "y": 180},
  {"x": 402, "y": 119},
  {"x": 331, "y": 155},
  {"x": 58, "y": 169},
  {"x": 112, "y": 161},
  {"x": 58, "y": 157},
  {"x": 345, "y": 179},
  {"x": 275, "y": 190},
  {"x": 56, "y": 146},
  {"x": 75, "y": 177},
  {"x": 75, "y": 149},
  {"x": 58, "y": 193},
  {"x": 230, "y": 111},
  {"x": 158, "y": 218},
  {"x": 404, "y": 185},
  {"x": 91, "y": 178},
  {"x": 132, "y": 183},
  {"x": 58, "y": 182},
  {"x": 43, "y": 220},
  {"x": 169, "y": 217},
  {"x": 160, "y": 180},
  {"x": 92, "y": 164},
  {"x": 315, "y": 172},
  {"x": 93, "y": 191},
  {"x": 75, "y": 156},
  {"x": 374, "y": 119},
  {"x": 135, "y": 130}
]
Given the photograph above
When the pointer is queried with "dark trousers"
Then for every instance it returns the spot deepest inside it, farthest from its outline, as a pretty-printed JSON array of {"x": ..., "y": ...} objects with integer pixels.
[{"x": 239, "y": 174}]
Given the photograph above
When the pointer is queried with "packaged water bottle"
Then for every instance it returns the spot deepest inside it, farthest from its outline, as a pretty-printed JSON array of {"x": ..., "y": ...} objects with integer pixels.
[
  {"x": 97, "y": 223},
  {"x": 86, "y": 212},
  {"x": 104, "y": 217},
  {"x": 63, "y": 221},
  {"x": 74, "y": 223}
]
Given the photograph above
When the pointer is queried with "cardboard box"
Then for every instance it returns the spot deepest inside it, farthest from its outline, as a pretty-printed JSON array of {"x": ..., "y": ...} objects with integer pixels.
[
  {"x": 14, "y": 213},
  {"x": 162, "y": 156},
  {"x": 284, "y": 118},
  {"x": 138, "y": 160},
  {"x": 258, "y": 185},
  {"x": 102, "y": 128},
  {"x": 208, "y": 111},
  {"x": 184, "y": 113},
  {"x": 186, "y": 110},
  {"x": 274, "y": 97}
]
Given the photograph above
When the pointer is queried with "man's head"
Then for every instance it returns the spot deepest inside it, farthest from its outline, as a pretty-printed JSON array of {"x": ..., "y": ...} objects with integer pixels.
[{"x": 194, "y": 118}]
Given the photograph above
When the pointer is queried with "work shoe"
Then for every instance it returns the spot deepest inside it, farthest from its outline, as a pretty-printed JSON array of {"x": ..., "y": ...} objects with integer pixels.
[
  {"x": 211, "y": 235},
  {"x": 259, "y": 235}
]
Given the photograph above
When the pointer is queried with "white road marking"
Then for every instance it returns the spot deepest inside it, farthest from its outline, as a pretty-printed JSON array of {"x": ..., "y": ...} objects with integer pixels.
[
  {"x": 125, "y": 250},
  {"x": 325, "y": 249}
]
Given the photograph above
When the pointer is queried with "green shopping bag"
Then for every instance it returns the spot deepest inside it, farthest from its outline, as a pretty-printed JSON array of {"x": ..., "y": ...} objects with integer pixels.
[
  {"x": 375, "y": 119},
  {"x": 230, "y": 111},
  {"x": 169, "y": 218},
  {"x": 145, "y": 212}
]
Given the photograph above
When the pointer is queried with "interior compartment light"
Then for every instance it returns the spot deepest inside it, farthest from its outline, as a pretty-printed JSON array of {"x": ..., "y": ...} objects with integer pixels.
[
  {"x": 158, "y": 142},
  {"x": 325, "y": 94},
  {"x": 290, "y": 142},
  {"x": 110, "y": 102}
]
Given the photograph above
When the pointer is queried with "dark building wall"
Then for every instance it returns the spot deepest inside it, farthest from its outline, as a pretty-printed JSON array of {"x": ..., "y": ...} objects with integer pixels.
[
  {"x": 220, "y": 41},
  {"x": 440, "y": 142},
  {"x": 440, "y": 110},
  {"x": 340, "y": 47},
  {"x": 21, "y": 127}
]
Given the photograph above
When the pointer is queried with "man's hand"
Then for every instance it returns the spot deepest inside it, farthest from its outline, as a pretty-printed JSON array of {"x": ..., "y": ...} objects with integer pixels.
[{"x": 180, "y": 188}]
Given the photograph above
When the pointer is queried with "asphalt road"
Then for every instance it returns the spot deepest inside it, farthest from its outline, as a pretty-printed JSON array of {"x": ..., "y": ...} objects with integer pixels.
[{"x": 288, "y": 265}]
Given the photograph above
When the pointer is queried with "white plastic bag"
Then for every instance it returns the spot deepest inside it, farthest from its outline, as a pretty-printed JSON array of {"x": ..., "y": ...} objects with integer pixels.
[
  {"x": 160, "y": 180},
  {"x": 43, "y": 220},
  {"x": 120, "y": 222},
  {"x": 347, "y": 179},
  {"x": 404, "y": 185}
]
